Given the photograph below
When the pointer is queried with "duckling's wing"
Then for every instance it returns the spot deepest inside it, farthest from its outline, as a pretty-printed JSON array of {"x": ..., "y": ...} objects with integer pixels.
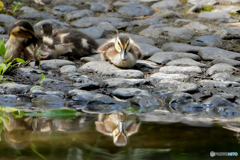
[
  {"x": 100, "y": 127},
  {"x": 106, "y": 46},
  {"x": 133, "y": 128},
  {"x": 135, "y": 50}
]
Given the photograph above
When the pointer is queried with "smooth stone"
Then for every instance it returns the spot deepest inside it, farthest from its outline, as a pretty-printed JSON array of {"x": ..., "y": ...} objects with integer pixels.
[
  {"x": 228, "y": 112},
  {"x": 203, "y": 2},
  {"x": 165, "y": 13},
  {"x": 26, "y": 9},
  {"x": 106, "y": 69},
  {"x": 122, "y": 25},
  {"x": 196, "y": 8},
  {"x": 125, "y": 93},
  {"x": 180, "y": 47},
  {"x": 123, "y": 83},
  {"x": 141, "y": 39},
  {"x": 78, "y": 14},
  {"x": 220, "y": 67},
  {"x": 63, "y": 9},
  {"x": 147, "y": 64},
  {"x": 218, "y": 84},
  {"x": 78, "y": 3},
  {"x": 36, "y": 16},
  {"x": 211, "y": 53},
  {"x": 34, "y": 92},
  {"x": 95, "y": 57},
  {"x": 229, "y": 9},
  {"x": 185, "y": 62},
  {"x": 57, "y": 25},
  {"x": 80, "y": 95},
  {"x": 49, "y": 101},
  {"x": 148, "y": 21},
  {"x": 182, "y": 22},
  {"x": 53, "y": 64},
  {"x": 107, "y": 26},
  {"x": 225, "y": 77},
  {"x": 100, "y": 99},
  {"x": 77, "y": 78},
  {"x": 99, "y": 6},
  {"x": 197, "y": 26},
  {"x": 87, "y": 86},
  {"x": 214, "y": 15},
  {"x": 28, "y": 72},
  {"x": 162, "y": 76},
  {"x": 181, "y": 69},
  {"x": 229, "y": 1},
  {"x": 124, "y": 3},
  {"x": 229, "y": 33},
  {"x": 7, "y": 20},
  {"x": 232, "y": 62},
  {"x": 48, "y": 82},
  {"x": 94, "y": 32},
  {"x": 166, "y": 4},
  {"x": 158, "y": 25},
  {"x": 174, "y": 34},
  {"x": 190, "y": 108},
  {"x": 208, "y": 40},
  {"x": 68, "y": 69},
  {"x": 101, "y": 41},
  {"x": 165, "y": 57},
  {"x": 2, "y": 31},
  {"x": 144, "y": 100},
  {"x": 14, "y": 88},
  {"x": 136, "y": 10},
  {"x": 148, "y": 50},
  {"x": 218, "y": 100}
]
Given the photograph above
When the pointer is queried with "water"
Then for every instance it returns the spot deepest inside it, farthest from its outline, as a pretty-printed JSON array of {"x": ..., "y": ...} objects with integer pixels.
[{"x": 92, "y": 137}]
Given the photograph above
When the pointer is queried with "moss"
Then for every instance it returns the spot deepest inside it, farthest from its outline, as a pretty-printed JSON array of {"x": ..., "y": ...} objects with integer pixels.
[
  {"x": 39, "y": 8},
  {"x": 63, "y": 15},
  {"x": 38, "y": 21},
  {"x": 207, "y": 8},
  {"x": 183, "y": 1}
]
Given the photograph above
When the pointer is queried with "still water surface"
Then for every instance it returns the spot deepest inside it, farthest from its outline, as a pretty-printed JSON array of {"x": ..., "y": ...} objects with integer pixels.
[{"x": 112, "y": 136}]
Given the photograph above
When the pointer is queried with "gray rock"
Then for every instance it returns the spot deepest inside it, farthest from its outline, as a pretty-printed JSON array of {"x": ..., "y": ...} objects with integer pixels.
[
  {"x": 5, "y": 36},
  {"x": 147, "y": 64},
  {"x": 107, "y": 26},
  {"x": 94, "y": 32},
  {"x": 99, "y": 6},
  {"x": 203, "y": 2},
  {"x": 53, "y": 64},
  {"x": 165, "y": 57},
  {"x": 229, "y": 33},
  {"x": 185, "y": 62},
  {"x": 220, "y": 67},
  {"x": 228, "y": 112},
  {"x": 56, "y": 25},
  {"x": 124, "y": 83},
  {"x": 26, "y": 9},
  {"x": 158, "y": 25},
  {"x": 48, "y": 82},
  {"x": 197, "y": 26},
  {"x": 218, "y": 84},
  {"x": 87, "y": 86},
  {"x": 124, "y": 3},
  {"x": 196, "y": 8},
  {"x": 180, "y": 47},
  {"x": 148, "y": 50},
  {"x": 211, "y": 53},
  {"x": 36, "y": 16},
  {"x": 106, "y": 69},
  {"x": 141, "y": 39},
  {"x": 2, "y": 31},
  {"x": 68, "y": 69},
  {"x": 78, "y": 14},
  {"x": 163, "y": 76},
  {"x": 125, "y": 93},
  {"x": 181, "y": 69},
  {"x": 229, "y": 9},
  {"x": 208, "y": 40},
  {"x": 7, "y": 21},
  {"x": 63, "y": 9},
  {"x": 218, "y": 100},
  {"x": 226, "y": 60},
  {"x": 166, "y": 4},
  {"x": 14, "y": 88},
  {"x": 221, "y": 76},
  {"x": 136, "y": 10},
  {"x": 122, "y": 25},
  {"x": 182, "y": 22},
  {"x": 49, "y": 101},
  {"x": 77, "y": 77},
  {"x": 95, "y": 57},
  {"x": 80, "y": 95},
  {"x": 34, "y": 92},
  {"x": 229, "y": 1},
  {"x": 28, "y": 72},
  {"x": 214, "y": 15},
  {"x": 174, "y": 34},
  {"x": 148, "y": 21},
  {"x": 100, "y": 99},
  {"x": 144, "y": 100},
  {"x": 69, "y": 2},
  {"x": 165, "y": 13}
]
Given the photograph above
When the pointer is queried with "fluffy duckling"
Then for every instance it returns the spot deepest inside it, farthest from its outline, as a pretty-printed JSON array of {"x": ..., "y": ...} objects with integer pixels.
[
  {"x": 47, "y": 29},
  {"x": 117, "y": 125},
  {"x": 122, "y": 51},
  {"x": 70, "y": 42},
  {"x": 21, "y": 48}
]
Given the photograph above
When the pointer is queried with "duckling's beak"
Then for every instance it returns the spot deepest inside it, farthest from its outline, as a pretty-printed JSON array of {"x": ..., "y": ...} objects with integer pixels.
[{"x": 123, "y": 55}]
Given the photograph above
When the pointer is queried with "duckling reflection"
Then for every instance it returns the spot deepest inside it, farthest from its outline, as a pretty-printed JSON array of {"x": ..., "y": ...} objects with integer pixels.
[
  {"x": 235, "y": 129},
  {"x": 118, "y": 125}
]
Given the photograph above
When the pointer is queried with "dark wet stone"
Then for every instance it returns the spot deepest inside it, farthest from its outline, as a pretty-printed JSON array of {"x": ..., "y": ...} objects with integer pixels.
[
  {"x": 214, "y": 15},
  {"x": 7, "y": 20},
  {"x": 28, "y": 72},
  {"x": 185, "y": 62},
  {"x": 218, "y": 84},
  {"x": 229, "y": 33},
  {"x": 227, "y": 111},
  {"x": 211, "y": 53},
  {"x": 181, "y": 69},
  {"x": 78, "y": 14},
  {"x": 232, "y": 62},
  {"x": 34, "y": 92},
  {"x": 99, "y": 6},
  {"x": 161, "y": 76},
  {"x": 148, "y": 21},
  {"x": 148, "y": 50},
  {"x": 165, "y": 57},
  {"x": 125, "y": 93},
  {"x": 14, "y": 88},
  {"x": 217, "y": 100},
  {"x": 62, "y": 9},
  {"x": 136, "y": 10},
  {"x": 166, "y": 4},
  {"x": 94, "y": 32},
  {"x": 220, "y": 67},
  {"x": 179, "y": 47},
  {"x": 80, "y": 95},
  {"x": 124, "y": 83},
  {"x": 53, "y": 64},
  {"x": 100, "y": 99},
  {"x": 208, "y": 40},
  {"x": 36, "y": 16},
  {"x": 146, "y": 64},
  {"x": 107, "y": 26},
  {"x": 56, "y": 25},
  {"x": 68, "y": 69},
  {"x": 77, "y": 77},
  {"x": 90, "y": 85},
  {"x": 49, "y": 101},
  {"x": 106, "y": 69},
  {"x": 26, "y": 9},
  {"x": 190, "y": 108}
]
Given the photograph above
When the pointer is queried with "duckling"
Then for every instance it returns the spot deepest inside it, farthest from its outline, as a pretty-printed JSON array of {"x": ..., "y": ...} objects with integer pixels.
[
  {"x": 47, "y": 29},
  {"x": 70, "y": 42},
  {"x": 118, "y": 125},
  {"x": 122, "y": 51},
  {"x": 21, "y": 48}
]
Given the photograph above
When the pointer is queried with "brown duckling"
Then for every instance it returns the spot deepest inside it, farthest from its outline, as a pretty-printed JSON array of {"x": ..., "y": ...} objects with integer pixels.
[
  {"x": 122, "y": 51},
  {"x": 21, "y": 48}
]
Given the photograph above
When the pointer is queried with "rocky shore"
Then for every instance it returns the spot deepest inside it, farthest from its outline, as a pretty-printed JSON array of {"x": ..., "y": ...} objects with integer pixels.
[{"x": 190, "y": 64}]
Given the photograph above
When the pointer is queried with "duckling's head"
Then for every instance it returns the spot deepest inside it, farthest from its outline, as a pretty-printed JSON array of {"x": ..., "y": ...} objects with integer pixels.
[
  {"x": 122, "y": 45},
  {"x": 22, "y": 29},
  {"x": 120, "y": 135},
  {"x": 47, "y": 29}
]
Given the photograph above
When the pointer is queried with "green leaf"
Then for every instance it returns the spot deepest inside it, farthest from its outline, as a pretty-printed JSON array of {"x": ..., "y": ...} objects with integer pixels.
[
  {"x": 6, "y": 120},
  {"x": 35, "y": 87},
  {"x": 19, "y": 60},
  {"x": 4, "y": 69},
  {"x": 43, "y": 78},
  {"x": 9, "y": 109},
  {"x": 34, "y": 149},
  {"x": 18, "y": 114},
  {"x": 6, "y": 61}
]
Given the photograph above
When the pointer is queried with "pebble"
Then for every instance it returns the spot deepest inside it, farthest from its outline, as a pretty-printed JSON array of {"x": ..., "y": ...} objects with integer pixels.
[
  {"x": 36, "y": 16},
  {"x": 166, "y": 4},
  {"x": 123, "y": 83},
  {"x": 218, "y": 84},
  {"x": 68, "y": 69},
  {"x": 220, "y": 67},
  {"x": 163, "y": 76},
  {"x": 94, "y": 32},
  {"x": 63, "y": 9},
  {"x": 207, "y": 41},
  {"x": 181, "y": 69},
  {"x": 180, "y": 47},
  {"x": 53, "y": 64},
  {"x": 78, "y": 15},
  {"x": 185, "y": 62},
  {"x": 136, "y": 10},
  {"x": 214, "y": 15}
]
